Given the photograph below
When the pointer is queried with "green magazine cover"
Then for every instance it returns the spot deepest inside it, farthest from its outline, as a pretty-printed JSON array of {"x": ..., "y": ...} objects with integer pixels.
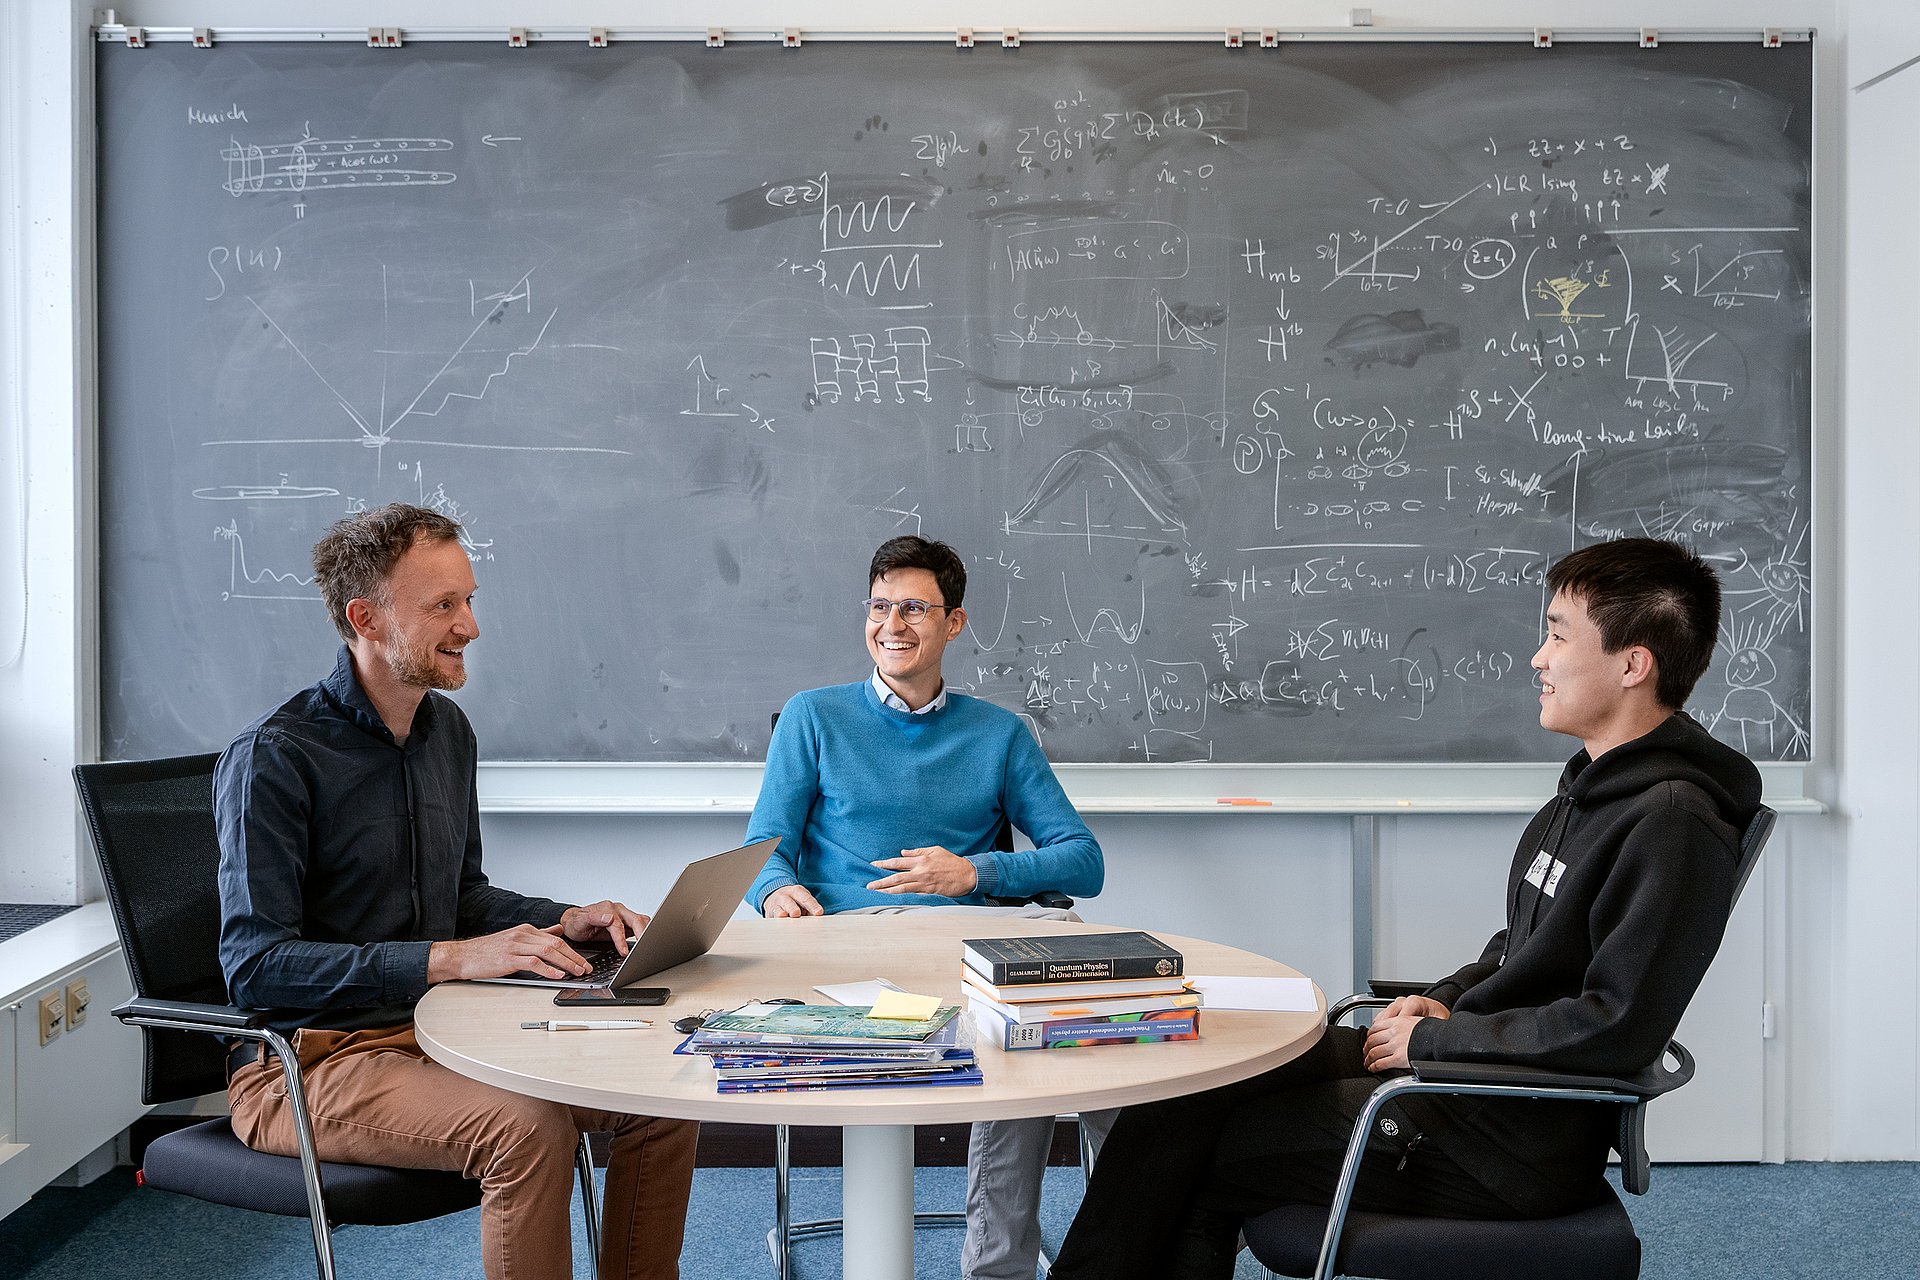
[{"x": 826, "y": 1022}]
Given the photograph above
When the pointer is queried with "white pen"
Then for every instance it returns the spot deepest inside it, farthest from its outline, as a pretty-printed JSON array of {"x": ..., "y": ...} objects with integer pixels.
[{"x": 565, "y": 1024}]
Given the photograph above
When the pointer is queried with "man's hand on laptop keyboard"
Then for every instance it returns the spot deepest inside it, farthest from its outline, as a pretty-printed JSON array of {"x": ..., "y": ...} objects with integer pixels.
[
  {"x": 495, "y": 955},
  {"x": 597, "y": 922}
]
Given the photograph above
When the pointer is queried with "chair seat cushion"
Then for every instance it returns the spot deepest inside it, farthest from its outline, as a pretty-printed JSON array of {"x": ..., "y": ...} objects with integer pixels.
[
  {"x": 1595, "y": 1244},
  {"x": 208, "y": 1162}
]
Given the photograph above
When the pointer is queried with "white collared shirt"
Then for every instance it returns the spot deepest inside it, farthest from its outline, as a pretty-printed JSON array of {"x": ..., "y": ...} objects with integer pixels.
[{"x": 898, "y": 703}]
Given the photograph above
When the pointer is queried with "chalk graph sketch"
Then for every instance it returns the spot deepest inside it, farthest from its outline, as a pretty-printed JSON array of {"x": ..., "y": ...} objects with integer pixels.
[
  {"x": 431, "y": 379},
  {"x": 1259, "y": 393}
]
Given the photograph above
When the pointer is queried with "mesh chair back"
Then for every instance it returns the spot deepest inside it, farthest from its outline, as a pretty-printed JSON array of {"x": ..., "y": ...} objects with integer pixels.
[
  {"x": 1759, "y": 827},
  {"x": 152, "y": 828}
]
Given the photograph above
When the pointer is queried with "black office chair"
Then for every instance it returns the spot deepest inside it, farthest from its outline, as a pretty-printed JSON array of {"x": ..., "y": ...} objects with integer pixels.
[
  {"x": 1596, "y": 1243},
  {"x": 153, "y": 831},
  {"x": 785, "y": 1231}
]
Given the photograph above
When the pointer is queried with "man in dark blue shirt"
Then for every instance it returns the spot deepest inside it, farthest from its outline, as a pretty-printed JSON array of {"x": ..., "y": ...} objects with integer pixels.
[{"x": 350, "y": 882}]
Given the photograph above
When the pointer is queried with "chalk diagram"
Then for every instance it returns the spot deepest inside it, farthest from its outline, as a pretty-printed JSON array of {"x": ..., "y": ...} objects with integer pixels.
[
  {"x": 330, "y": 164},
  {"x": 370, "y": 414},
  {"x": 1782, "y": 589},
  {"x": 501, "y": 314},
  {"x": 264, "y": 492},
  {"x": 1122, "y": 493},
  {"x": 849, "y": 228},
  {"x": 1563, "y": 292},
  {"x": 1667, "y": 360},
  {"x": 1366, "y": 270},
  {"x": 1566, "y": 278},
  {"x": 905, "y": 368},
  {"x": 1749, "y": 705},
  {"x": 1736, "y": 281},
  {"x": 246, "y": 583}
]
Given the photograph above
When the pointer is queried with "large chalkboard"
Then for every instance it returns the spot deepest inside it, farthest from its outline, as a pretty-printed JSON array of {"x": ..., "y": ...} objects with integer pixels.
[{"x": 1258, "y": 387}]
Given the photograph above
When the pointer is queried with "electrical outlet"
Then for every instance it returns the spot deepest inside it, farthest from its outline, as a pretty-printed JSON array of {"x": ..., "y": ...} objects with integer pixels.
[
  {"x": 53, "y": 1014},
  {"x": 76, "y": 1003}
]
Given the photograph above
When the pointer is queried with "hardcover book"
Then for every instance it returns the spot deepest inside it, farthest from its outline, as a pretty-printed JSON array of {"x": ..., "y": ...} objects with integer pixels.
[
  {"x": 1115, "y": 988},
  {"x": 1062, "y": 1010},
  {"x": 1072, "y": 1033},
  {"x": 1072, "y": 957}
]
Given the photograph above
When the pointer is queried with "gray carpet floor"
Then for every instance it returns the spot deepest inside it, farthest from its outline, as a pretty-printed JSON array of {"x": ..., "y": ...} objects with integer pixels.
[{"x": 1853, "y": 1221}]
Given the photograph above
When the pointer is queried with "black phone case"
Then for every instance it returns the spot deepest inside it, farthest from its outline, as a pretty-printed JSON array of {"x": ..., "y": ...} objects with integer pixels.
[{"x": 603, "y": 998}]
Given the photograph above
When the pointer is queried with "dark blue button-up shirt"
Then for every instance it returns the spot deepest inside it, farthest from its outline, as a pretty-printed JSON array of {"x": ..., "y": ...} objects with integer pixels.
[{"x": 344, "y": 857}]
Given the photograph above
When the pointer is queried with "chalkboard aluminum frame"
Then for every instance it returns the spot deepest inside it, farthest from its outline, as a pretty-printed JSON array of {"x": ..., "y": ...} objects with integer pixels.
[{"x": 1250, "y": 38}]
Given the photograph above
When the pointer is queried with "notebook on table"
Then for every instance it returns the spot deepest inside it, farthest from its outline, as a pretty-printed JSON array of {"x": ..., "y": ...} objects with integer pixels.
[{"x": 686, "y": 924}]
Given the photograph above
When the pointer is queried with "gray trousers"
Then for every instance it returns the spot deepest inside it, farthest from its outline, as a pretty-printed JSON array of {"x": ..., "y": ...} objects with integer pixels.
[{"x": 1006, "y": 1159}]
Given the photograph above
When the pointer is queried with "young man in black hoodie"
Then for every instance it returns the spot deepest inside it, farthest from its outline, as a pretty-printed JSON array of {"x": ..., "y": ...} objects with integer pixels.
[{"x": 1616, "y": 900}]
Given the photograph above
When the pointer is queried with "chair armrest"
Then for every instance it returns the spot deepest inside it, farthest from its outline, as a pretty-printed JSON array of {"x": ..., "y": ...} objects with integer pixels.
[
  {"x": 1381, "y": 992},
  {"x": 1045, "y": 898},
  {"x": 1650, "y": 1083},
  {"x": 1341, "y": 1008},
  {"x": 191, "y": 1015}
]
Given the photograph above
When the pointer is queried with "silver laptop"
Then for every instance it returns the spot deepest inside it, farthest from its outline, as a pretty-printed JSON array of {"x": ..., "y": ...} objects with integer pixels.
[{"x": 686, "y": 924}]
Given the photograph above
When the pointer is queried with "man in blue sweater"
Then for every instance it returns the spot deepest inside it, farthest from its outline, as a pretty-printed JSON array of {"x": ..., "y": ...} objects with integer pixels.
[{"x": 887, "y": 795}]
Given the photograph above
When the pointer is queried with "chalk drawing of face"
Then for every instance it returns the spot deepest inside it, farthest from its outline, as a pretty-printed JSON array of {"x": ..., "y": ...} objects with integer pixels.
[{"x": 1750, "y": 668}]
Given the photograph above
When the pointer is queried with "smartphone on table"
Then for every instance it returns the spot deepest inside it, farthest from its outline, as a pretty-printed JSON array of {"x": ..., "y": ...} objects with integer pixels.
[{"x": 608, "y": 997}]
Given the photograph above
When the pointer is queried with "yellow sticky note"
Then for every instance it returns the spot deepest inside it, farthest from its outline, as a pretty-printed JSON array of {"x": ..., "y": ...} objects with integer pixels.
[{"x": 905, "y": 1006}]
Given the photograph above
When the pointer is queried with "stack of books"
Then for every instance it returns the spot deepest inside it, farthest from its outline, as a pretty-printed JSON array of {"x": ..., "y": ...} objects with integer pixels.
[
  {"x": 1064, "y": 990},
  {"x": 798, "y": 1047}
]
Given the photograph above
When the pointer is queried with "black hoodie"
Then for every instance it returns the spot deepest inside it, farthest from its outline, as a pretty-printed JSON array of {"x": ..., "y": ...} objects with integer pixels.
[{"x": 1619, "y": 892}]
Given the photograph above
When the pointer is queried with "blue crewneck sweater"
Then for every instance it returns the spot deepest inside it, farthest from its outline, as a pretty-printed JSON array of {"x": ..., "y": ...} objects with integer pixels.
[{"x": 850, "y": 780}]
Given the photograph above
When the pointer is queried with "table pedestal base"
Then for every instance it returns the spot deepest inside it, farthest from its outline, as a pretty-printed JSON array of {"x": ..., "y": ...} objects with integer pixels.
[{"x": 876, "y": 1201}]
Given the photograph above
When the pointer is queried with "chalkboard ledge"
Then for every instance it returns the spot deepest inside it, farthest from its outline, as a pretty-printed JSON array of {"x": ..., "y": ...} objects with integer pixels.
[{"x": 529, "y": 787}]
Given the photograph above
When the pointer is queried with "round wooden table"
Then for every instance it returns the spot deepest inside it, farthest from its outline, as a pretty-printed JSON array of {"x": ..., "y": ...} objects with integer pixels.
[{"x": 474, "y": 1029}]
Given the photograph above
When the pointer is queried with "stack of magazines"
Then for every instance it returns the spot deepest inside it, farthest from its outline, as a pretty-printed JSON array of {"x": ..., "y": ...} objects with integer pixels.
[
  {"x": 1061, "y": 991},
  {"x": 788, "y": 1048}
]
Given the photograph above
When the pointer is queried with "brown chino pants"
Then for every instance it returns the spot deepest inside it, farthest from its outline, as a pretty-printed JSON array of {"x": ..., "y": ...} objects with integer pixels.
[{"x": 376, "y": 1098}]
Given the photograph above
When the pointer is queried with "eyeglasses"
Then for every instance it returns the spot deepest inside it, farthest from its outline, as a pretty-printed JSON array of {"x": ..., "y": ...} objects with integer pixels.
[{"x": 910, "y": 610}]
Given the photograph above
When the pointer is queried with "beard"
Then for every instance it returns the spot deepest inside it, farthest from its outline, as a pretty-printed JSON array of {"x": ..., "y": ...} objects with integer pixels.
[{"x": 414, "y": 665}]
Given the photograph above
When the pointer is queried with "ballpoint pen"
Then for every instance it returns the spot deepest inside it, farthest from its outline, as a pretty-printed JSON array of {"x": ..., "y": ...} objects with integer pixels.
[{"x": 576, "y": 1024}]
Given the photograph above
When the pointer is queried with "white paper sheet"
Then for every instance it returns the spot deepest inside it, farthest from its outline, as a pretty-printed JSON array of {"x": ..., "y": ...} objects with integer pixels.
[
  {"x": 856, "y": 992},
  {"x": 1279, "y": 995}
]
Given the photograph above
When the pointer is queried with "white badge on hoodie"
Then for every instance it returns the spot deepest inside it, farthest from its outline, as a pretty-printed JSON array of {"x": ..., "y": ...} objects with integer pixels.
[
  {"x": 1545, "y": 872},
  {"x": 1553, "y": 877}
]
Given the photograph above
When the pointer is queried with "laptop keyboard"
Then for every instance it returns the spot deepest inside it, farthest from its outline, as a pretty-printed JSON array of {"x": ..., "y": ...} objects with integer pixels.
[
  {"x": 604, "y": 967},
  {"x": 605, "y": 961}
]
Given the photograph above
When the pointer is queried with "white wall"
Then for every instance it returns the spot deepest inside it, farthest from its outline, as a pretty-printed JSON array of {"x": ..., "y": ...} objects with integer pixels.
[
  {"x": 1838, "y": 944},
  {"x": 1875, "y": 1059},
  {"x": 46, "y": 413}
]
